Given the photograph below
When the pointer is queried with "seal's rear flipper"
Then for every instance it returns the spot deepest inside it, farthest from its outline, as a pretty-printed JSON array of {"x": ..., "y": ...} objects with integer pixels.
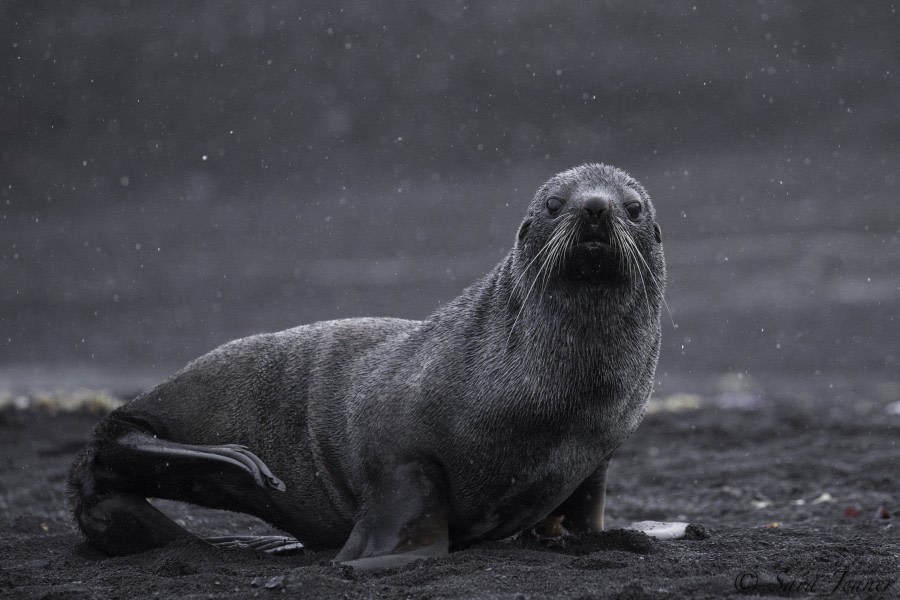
[
  {"x": 190, "y": 464},
  {"x": 273, "y": 544},
  {"x": 120, "y": 524},
  {"x": 111, "y": 479},
  {"x": 403, "y": 519}
]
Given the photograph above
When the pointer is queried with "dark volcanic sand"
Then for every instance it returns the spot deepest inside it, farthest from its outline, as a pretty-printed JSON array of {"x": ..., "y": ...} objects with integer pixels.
[{"x": 713, "y": 466}]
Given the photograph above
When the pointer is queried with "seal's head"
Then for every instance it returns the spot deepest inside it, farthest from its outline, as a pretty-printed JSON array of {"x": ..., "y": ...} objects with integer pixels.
[{"x": 593, "y": 225}]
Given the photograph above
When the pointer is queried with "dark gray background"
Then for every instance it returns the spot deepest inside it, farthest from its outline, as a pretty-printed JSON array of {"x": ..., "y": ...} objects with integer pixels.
[{"x": 175, "y": 175}]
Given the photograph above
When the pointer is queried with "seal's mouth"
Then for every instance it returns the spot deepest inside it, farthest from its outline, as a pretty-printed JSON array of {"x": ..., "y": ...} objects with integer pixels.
[
  {"x": 593, "y": 245},
  {"x": 593, "y": 237}
]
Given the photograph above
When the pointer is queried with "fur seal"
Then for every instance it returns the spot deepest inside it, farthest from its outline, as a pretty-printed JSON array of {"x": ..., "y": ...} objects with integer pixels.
[{"x": 393, "y": 439}]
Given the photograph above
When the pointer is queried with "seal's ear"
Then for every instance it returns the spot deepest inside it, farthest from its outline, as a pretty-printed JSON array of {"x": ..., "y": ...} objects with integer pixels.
[
  {"x": 523, "y": 230},
  {"x": 658, "y": 232}
]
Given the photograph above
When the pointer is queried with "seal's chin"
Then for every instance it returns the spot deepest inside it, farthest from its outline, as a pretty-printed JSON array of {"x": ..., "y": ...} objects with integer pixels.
[{"x": 594, "y": 261}]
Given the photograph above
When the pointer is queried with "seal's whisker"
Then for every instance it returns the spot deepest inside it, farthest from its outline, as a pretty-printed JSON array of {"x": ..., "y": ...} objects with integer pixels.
[
  {"x": 570, "y": 243},
  {"x": 522, "y": 306},
  {"x": 539, "y": 253},
  {"x": 547, "y": 264},
  {"x": 555, "y": 257},
  {"x": 558, "y": 232},
  {"x": 669, "y": 312},
  {"x": 629, "y": 248},
  {"x": 634, "y": 252},
  {"x": 616, "y": 238},
  {"x": 643, "y": 282},
  {"x": 549, "y": 258},
  {"x": 644, "y": 261},
  {"x": 648, "y": 270},
  {"x": 550, "y": 263},
  {"x": 621, "y": 250},
  {"x": 551, "y": 244}
]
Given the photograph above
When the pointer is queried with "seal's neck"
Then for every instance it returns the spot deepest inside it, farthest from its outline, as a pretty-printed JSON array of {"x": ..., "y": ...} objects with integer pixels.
[
  {"x": 596, "y": 337},
  {"x": 592, "y": 313},
  {"x": 589, "y": 328}
]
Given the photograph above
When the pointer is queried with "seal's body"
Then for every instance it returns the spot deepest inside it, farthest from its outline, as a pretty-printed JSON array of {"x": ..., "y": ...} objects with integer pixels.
[{"x": 397, "y": 439}]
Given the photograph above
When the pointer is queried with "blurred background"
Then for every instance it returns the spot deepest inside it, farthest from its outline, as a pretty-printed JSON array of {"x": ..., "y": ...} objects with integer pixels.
[{"x": 176, "y": 175}]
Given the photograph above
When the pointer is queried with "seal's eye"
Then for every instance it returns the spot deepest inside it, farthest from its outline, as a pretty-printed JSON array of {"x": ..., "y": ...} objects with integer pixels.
[
  {"x": 553, "y": 205},
  {"x": 634, "y": 210}
]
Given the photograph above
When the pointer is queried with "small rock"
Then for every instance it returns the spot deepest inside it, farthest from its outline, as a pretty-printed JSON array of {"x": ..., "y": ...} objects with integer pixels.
[
  {"x": 851, "y": 512},
  {"x": 660, "y": 530},
  {"x": 696, "y": 532},
  {"x": 825, "y": 497},
  {"x": 274, "y": 583},
  {"x": 882, "y": 513},
  {"x": 347, "y": 572}
]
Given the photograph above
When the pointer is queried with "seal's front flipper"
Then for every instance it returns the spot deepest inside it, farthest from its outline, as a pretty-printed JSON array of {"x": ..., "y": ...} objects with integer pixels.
[
  {"x": 403, "y": 519},
  {"x": 273, "y": 544},
  {"x": 582, "y": 512}
]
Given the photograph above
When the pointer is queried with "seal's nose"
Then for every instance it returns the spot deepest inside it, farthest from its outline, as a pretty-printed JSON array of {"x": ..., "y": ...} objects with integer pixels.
[{"x": 595, "y": 206}]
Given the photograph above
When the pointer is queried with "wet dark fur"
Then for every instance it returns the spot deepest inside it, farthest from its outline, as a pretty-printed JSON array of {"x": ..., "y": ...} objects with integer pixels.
[{"x": 510, "y": 403}]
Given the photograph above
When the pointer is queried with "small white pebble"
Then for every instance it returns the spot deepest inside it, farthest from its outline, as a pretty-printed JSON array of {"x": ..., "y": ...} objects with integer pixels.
[{"x": 660, "y": 530}]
